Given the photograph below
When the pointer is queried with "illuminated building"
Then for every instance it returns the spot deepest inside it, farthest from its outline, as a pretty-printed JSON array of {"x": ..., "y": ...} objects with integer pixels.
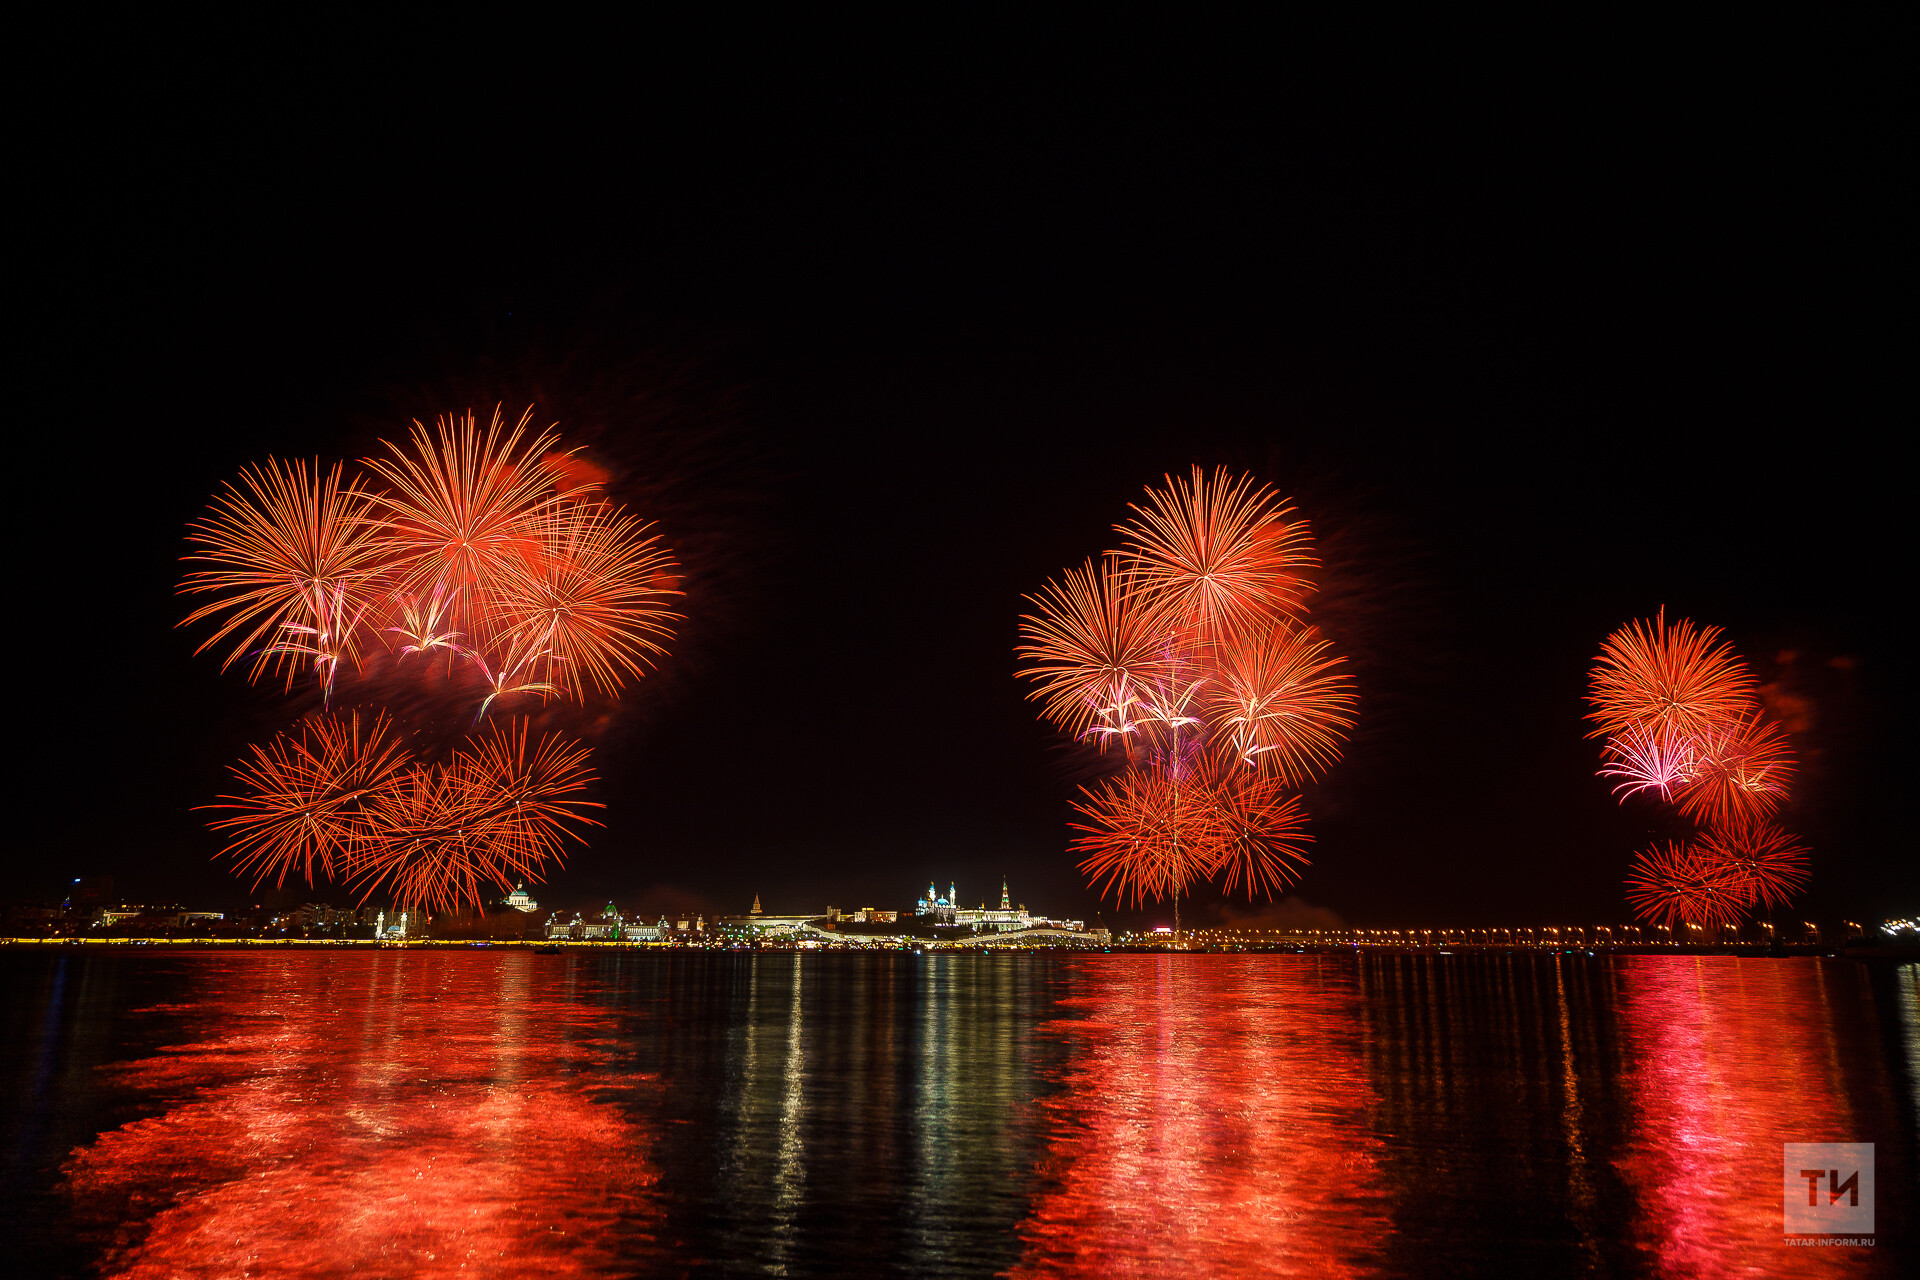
[
  {"x": 520, "y": 901},
  {"x": 934, "y": 919}
]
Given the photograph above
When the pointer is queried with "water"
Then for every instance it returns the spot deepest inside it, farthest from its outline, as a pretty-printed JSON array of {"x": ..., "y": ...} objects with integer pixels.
[{"x": 505, "y": 1113}]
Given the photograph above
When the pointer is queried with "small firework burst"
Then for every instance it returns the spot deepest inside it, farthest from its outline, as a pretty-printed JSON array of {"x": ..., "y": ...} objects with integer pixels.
[
  {"x": 1678, "y": 883},
  {"x": 1764, "y": 862}
]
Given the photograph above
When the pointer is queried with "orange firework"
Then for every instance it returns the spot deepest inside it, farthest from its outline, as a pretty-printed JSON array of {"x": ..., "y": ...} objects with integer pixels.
[
  {"x": 528, "y": 797},
  {"x": 1259, "y": 832},
  {"x": 332, "y": 801},
  {"x": 1681, "y": 677},
  {"x": 1742, "y": 771},
  {"x": 464, "y": 513},
  {"x": 1147, "y": 833},
  {"x": 1092, "y": 650},
  {"x": 1763, "y": 861},
  {"x": 594, "y": 600},
  {"x": 309, "y": 799},
  {"x": 493, "y": 815},
  {"x": 1279, "y": 702},
  {"x": 1675, "y": 883},
  {"x": 1219, "y": 551},
  {"x": 485, "y": 546},
  {"x": 293, "y": 555},
  {"x": 1185, "y": 649}
]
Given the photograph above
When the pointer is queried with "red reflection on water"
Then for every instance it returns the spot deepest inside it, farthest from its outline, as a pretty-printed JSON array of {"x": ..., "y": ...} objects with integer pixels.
[
  {"x": 1213, "y": 1122},
  {"x": 1731, "y": 1059},
  {"x": 374, "y": 1115}
]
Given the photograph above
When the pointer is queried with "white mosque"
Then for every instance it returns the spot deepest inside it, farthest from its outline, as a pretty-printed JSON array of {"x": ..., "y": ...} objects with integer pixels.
[{"x": 984, "y": 919}]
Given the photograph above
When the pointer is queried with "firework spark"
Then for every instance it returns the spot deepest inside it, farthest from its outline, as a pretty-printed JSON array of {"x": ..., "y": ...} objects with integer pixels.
[
  {"x": 308, "y": 798},
  {"x": 1091, "y": 649},
  {"x": 1680, "y": 676},
  {"x": 1679, "y": 883},
  {"x": 1644, "y": 758},
  {"x": 1219, "y": 551},
  {"x": 1765, "y": 864},
  {"x": 1281, "y": 702},
  {"x": 293, "y": 553},
  {"x": 1743, "y": 770}
]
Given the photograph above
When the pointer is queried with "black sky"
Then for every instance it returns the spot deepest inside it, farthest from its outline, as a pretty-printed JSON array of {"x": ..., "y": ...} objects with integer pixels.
[{"x": 882, "y": 348}]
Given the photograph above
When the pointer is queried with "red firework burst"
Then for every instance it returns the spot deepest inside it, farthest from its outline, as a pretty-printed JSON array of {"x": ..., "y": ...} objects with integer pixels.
[
  {"x": 1764, "y": 862},
  {"x": 1280, "y": 702},
  {"x": 333, "y": 801},
  {"x": 464, "y": 514},
  {"x": 1220, "y": 551},
  {"x": 594, "y": 601},
  {"x": 1259, "y": 832},
  {"x": 1742, "y": 771},
  {"x": 1092, "y": 650},
  {"x": 1681, "y": 677},
  {"x": 1675, "y": 883},
  {"x": 293, "y": 555},
  {"x": 1147, "y": 833},
  {"x": 309, "y": 799}
]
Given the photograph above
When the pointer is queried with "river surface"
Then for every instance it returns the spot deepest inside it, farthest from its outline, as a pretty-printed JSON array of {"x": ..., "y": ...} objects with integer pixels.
[{"x": 499, "y": 1113}]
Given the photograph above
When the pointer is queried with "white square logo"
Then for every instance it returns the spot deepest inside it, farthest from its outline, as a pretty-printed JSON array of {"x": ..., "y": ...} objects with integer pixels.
[{"x": 1829, "y": 1189}]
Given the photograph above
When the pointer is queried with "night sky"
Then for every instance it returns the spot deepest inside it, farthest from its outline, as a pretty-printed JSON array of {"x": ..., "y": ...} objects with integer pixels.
[{"x": 882, "y": 350}]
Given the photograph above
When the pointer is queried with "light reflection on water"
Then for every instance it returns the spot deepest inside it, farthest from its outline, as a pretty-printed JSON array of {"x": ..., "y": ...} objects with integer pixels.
[{"x": 488, "y": 1113}]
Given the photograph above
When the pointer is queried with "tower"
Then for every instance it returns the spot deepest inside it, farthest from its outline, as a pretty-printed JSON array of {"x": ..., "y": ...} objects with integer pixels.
[
  {"x": 1006, "y": 904},
  {"x": 756, "y": 906}
]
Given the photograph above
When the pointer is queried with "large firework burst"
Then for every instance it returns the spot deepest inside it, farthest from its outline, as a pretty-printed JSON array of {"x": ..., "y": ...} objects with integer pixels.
[
  {"x": 1280, "y": 701},
  {"x": 1094, "y": 649},
  {"x": 344, "y": 801},
  {"x": 1682, "y": 724},
  {"x": 479, "y": 547},
  {"x": 1185, "y": 649}
]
